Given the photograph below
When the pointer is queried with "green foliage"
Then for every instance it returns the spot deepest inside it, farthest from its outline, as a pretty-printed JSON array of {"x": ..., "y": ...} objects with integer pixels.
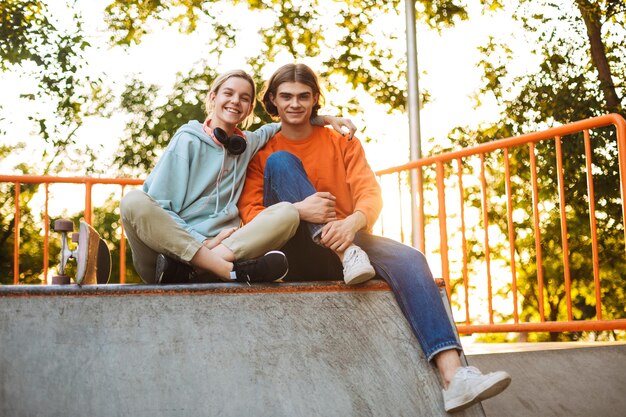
[
  {"x": 568, "y": 85},
  {"x": 34, "y": 255},
  {"x": 358, "y": 51},
  {"x": 129, "y": 20},
  {"x": 30, "y": 41},
  {"x": 348, "y": 37},
  {"x": 22, "y": 24}
]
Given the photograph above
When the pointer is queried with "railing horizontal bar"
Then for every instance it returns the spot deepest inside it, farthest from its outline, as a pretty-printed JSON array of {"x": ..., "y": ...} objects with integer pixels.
[
  {"x": 546, "y": 326},
  {"x": 565, "y": 130},
  {"x": 49, "y": 179}
]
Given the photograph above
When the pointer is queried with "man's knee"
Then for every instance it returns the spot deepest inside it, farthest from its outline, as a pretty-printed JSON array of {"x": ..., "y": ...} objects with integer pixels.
[
  {"x": 282, "y": 160},
  {"x": 412, "y": 255}
]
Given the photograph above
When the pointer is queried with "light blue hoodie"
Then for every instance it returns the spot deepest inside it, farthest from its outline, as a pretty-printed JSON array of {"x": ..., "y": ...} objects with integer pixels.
[{"x": 198, "y": 183}]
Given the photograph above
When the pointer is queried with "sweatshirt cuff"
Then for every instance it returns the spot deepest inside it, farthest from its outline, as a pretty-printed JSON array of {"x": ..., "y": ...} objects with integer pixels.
[{"x": 370, "y": 217}]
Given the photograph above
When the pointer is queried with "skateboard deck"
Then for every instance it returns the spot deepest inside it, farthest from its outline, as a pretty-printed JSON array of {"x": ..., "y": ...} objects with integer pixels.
[{"x": 93, "y": 258}]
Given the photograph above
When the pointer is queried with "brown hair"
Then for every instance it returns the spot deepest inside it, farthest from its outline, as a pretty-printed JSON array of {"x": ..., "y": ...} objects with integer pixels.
[
  {"x": 217, "y": 84},
  {"x": 299, "y": 73}
]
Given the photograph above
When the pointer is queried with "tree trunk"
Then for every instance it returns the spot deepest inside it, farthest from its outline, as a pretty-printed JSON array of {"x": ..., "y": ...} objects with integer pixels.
[{"x": 591, "y": 17}]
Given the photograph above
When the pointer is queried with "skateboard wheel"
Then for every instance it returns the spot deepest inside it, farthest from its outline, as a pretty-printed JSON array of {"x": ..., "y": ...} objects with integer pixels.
[
  {"x": 75, "y": 237},
  {"x": 63, "y": 225},
  {"x": 60, "y": 280}
]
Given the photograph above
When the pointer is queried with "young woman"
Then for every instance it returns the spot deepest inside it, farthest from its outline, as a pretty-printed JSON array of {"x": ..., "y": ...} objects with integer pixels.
[{"x": 185, "y": 219}]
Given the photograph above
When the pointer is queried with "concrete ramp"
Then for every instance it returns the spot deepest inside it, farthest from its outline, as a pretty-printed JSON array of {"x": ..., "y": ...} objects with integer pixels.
[
  {"x": 212, "y": 350},
  {"x": 570, "y": 381}
]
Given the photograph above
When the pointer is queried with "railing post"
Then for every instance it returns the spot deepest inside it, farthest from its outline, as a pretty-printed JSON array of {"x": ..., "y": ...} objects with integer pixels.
[
  {"x": 485, "y": 205},
  {"x": 46, "y": 235},
  {"x": 592, "y": 225},
  {"x": 620, "y": 125},
  {"x": 122, "y": 245},
  {"x": 443, "y": 229},
  {"x": 511, "y": 231},
  {"x": 537, "y": 229},
  {"x": 459, "y": 162},
  {"x": 564, "y": 238},
  {"x": 16, "y": 236},
  {"x": 88, "y": 210}
]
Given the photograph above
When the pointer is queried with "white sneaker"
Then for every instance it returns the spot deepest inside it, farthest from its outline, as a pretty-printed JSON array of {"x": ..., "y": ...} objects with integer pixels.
[
  {"x": 356, "y": 266},
  {"x": 469, "y": 386}
]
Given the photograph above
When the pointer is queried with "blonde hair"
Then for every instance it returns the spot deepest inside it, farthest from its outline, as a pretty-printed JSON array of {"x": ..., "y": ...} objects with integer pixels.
[{"x": 217, "y": 84}]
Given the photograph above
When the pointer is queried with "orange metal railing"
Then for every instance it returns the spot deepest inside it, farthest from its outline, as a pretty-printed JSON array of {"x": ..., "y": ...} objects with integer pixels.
[
  {"x": 440, "y": 163},
  {"x": 442, "y": 166},
  {"x": 88, "y": 183}
]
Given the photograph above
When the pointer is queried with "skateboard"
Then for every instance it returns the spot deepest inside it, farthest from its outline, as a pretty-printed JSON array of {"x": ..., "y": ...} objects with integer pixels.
[{"x": 92, "y": 255}]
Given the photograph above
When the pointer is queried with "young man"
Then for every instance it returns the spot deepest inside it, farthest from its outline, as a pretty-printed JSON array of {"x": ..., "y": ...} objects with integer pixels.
[{"x": 329, "y": 181}]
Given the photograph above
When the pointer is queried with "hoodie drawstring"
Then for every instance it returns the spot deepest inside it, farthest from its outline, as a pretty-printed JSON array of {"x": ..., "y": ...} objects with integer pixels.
[{"x": 217, "y": 186}]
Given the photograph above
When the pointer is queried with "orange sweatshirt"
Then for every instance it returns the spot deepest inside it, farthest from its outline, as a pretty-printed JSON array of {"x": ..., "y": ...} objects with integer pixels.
[{"x": 333, "y": 164}]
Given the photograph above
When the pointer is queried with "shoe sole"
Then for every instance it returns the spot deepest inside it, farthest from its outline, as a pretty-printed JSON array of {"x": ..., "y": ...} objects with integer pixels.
[
  {"x": 495, "y": 389},
  {"x": 286, "y": 270},
  {"x": 160, "y": 266},
  {"x": 361, "y": 277}
]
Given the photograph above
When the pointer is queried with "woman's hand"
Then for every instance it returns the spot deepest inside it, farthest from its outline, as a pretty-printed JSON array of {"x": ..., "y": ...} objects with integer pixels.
[
  {"x": 223, "y": 234},
  {"x": 341, "y": 125}
]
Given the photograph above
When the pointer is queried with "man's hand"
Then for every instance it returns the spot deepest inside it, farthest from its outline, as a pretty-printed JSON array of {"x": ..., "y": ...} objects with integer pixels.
[
  {"x": 339, "y": 235},
  {"x": 223, "y": 234},
  {"x": 317, "y": 208},
  {"x": 341, "y": 125}
]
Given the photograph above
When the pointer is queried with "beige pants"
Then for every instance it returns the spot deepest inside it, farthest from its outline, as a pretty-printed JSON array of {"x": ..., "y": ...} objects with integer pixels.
[{"x": 151, "y": 230}]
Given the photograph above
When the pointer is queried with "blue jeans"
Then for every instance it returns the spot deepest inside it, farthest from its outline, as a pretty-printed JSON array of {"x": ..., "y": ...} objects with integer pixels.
[{"x": 403, "y": 268}]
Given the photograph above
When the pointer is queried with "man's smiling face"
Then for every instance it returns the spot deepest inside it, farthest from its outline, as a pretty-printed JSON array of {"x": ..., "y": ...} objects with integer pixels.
[{"x": 294, "y": 102}]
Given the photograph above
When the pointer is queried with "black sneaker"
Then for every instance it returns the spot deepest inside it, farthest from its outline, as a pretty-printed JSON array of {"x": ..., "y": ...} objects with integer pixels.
[
  {"x": 170, "y": 271},
  {"x": 270, "y": 267}
]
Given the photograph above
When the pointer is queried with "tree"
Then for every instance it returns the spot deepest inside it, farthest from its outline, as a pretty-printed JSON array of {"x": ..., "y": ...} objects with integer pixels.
[
  {"x": 32, "y": 43},
  {"x": 595, "y": 15},
  {"x": 581, "y": 75},
  {"x": 356, "y": 49}
]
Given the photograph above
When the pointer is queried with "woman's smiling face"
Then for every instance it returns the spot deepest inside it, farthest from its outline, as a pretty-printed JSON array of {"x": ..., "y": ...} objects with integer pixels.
[{"x": 232, "y": 103}]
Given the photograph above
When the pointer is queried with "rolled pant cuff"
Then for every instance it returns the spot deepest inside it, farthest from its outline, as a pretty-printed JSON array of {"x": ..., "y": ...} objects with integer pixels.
[
  {"x": 190, "y": 251},
  {"x": 443, "y": 347}
]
